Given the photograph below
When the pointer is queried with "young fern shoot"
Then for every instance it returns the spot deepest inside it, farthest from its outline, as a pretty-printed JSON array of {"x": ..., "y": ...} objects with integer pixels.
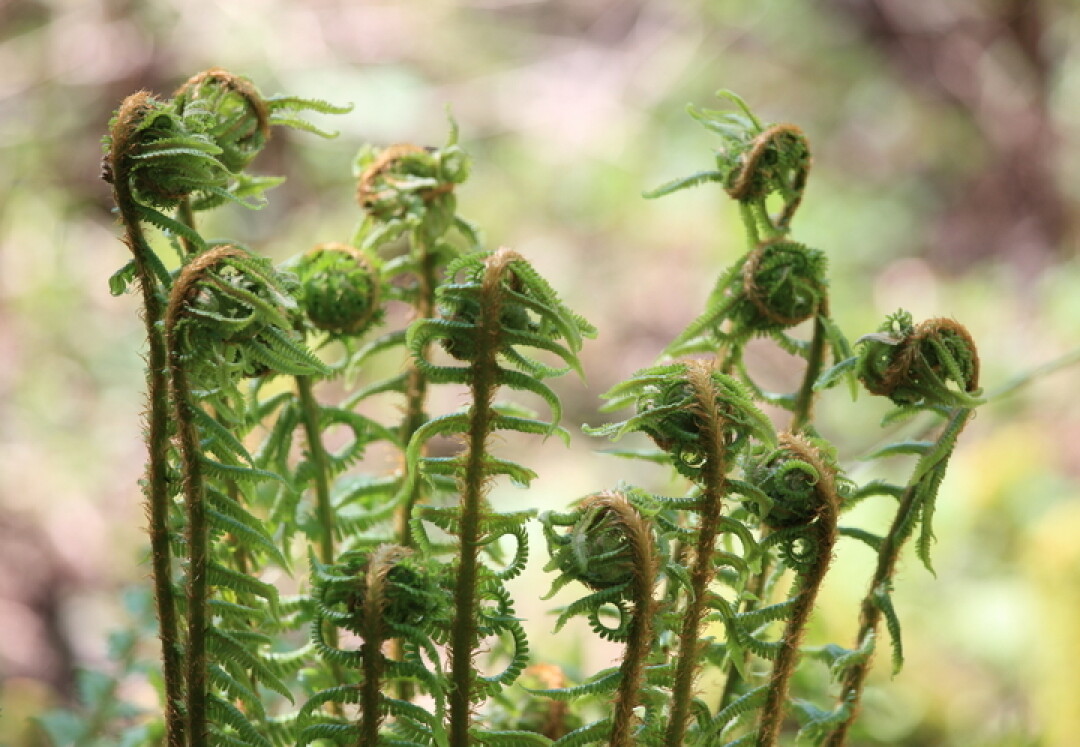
[{"x": 499, "y": 306}]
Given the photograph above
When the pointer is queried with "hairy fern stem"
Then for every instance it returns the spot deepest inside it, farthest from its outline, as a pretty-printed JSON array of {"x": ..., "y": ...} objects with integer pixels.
[
  {"x": 870, "y": 611},
  {"x": 194, "y": 495},
  {"x": 157, "y": 386},
  {"x": 822, "y": 537},
  {"x": 483, "y": 385},
  {"x": 639, "y": 639},
  {"x": 714, "y": 470}
]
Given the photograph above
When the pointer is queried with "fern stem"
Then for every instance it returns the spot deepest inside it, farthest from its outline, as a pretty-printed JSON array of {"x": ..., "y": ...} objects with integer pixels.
[
  {"x": 823, "y": 531},
  {"x": 186, "y": 215},
  {"x": 197, "y": 538},
  {"x": 483, "y": 384},
  {"x": 640, "y": 637},
  {"x": 869, "y": 612},
  {"x": 732, "y": 676},
  {"x": 415, "y": 401},
  {"x": 194, "y": 495},
  {"x": 157, "y": 439},
  {"x": 713, "y": 478},
  {"x": 324, "y": 511},
  {"x": 416, "y": 382},
  {"x": 804, "y": 402},
  {"x": 379, "y": 565}
]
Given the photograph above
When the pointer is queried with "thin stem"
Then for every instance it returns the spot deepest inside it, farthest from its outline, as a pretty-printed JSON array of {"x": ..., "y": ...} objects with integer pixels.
[
  {"x": 157, "y": 440},
  {"x": 713, "y": 478},
  {"x": 732, "y": 676},
  {"x": 186, "y": 215},
  {"x": 194, "y": 493},
  {"x": 804, "y": 402},
  {"x": 415, "y": 401},
  {"x": 416, "y": 382},
  {"x": 309, "y": 413},
  {"x": 483, "y": 384},
  {"x": 191, "y": 456},
  {"x": 324, "y": 511},
  {"x": 870, "y": 613}
]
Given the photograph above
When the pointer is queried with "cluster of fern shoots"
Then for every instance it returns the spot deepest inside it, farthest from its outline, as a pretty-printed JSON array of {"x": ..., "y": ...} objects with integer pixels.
[{"x": 397, "y": 580}]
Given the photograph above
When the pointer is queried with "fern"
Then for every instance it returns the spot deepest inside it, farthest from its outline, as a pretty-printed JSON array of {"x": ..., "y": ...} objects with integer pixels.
[{"x": 263, "y": 448}]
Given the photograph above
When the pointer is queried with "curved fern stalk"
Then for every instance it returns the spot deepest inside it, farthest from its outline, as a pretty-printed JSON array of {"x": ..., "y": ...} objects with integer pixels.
[
  {"x": 805, "y": 488},
  {"x": 194, "y": 497},
  {"x": 228, "y": 312},
  {"x": 710, "y": 406},
  {"x": 408, "y": 190},
  {"x": 611, "y": 549},
  {"x": 500, "y": 305},
  {"x": 123, "y": 136},
  {"x": 703, "y": 419},
  {"x": 930, "y": 366}
]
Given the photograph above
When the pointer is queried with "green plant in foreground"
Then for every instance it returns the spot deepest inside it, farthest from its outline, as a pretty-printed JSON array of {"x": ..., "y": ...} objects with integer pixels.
[{"x": 400, "y": 628}]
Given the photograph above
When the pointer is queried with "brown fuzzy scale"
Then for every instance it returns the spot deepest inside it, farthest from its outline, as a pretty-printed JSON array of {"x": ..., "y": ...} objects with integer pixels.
[
  {"x": 484, "y": 383},
  {"x": 639, "y": 540},
  {"x": 714, "y": 470},
  {"x": 823, "y": 524},
  {"x": 743, "y": 188},
  {"x": 367, "y": 192},
  {"x": 381, "y": 562},
  {"x": 241, "y": 86},
  {"x": 906, "y": 358}
]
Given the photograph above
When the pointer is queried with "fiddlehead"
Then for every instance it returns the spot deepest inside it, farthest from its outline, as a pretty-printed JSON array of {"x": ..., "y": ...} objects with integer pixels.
[
  {"x": 474, "y": 308},
  {"x": 383, "y": 595},
  {"x": 801, "y": 482},
  {"x": 932, "y": 366},
  {"x": 757, "y": 162},
  {"x": 124, "y": 144},
  {"x": 934, "y": 362},
  {"x": 703, "y": 419},
  {"x": 610, "y": 546},
  {"x": 228, "y": 312},
  {"x": 340, "y": 289}
]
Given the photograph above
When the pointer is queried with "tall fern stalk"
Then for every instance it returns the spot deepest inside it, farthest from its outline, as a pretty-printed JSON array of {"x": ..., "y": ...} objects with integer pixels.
[
  {"x": 820, "y": 537},
  {"x": 157, "y": 490},
  {"x": 713, "y": 473},
  {"x": 483, "y": 385},
  {"x": 194, "y": 492}
]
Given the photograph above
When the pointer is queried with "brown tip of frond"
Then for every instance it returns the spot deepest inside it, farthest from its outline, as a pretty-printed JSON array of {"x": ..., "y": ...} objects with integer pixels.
[
  {"x": 190, "y": 275},
  {"x": 366, "y": 192},
  {"x": 237, "y": 84},
  {"x": 124, "y": 124}
]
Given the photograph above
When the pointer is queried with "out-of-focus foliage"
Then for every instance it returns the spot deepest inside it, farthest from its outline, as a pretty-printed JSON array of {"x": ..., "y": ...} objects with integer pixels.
[{"x": 573, "y": 107}]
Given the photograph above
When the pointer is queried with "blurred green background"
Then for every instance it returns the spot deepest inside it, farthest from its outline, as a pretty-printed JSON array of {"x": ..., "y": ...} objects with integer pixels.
[{"x": 947, "y": 148}]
